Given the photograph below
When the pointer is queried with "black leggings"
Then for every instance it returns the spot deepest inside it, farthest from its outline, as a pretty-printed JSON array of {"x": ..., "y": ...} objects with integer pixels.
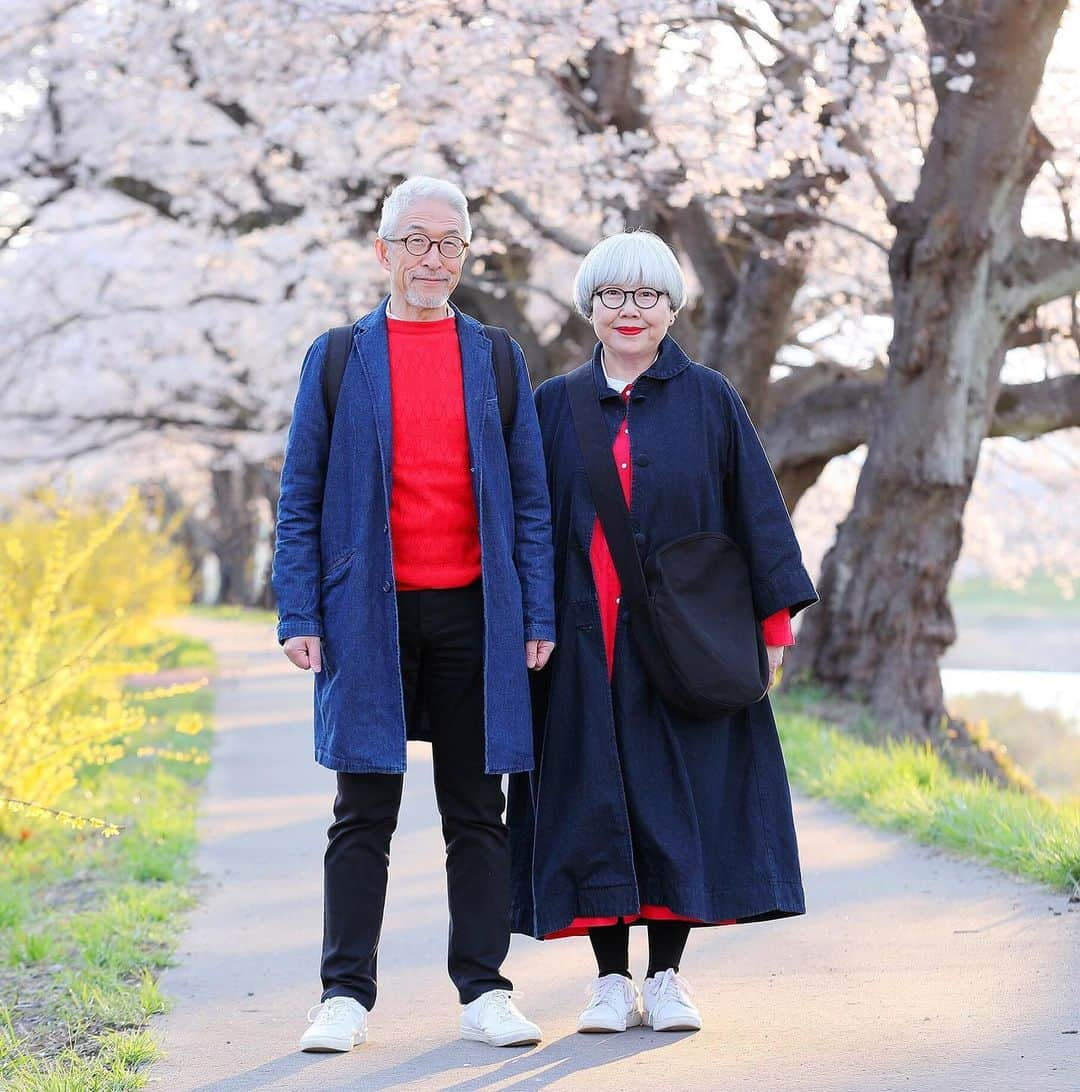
[{"x": 611, "y": 946}]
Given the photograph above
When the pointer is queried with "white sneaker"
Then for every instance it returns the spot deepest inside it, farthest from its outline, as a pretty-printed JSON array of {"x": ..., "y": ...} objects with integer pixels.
[
  {"x": 493, "y": 1018},
  {"x": 667, "y": 1004},
  {"x": 614, "y": 1005},
  {"x": 339, "y": 1023}
]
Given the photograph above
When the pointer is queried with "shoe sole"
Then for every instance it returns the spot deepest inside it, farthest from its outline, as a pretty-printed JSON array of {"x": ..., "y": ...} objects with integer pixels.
[
  {"x": 680, "y": 1025},
  {"x": 329, "y": 1045},
  {"x": 500, "y": 1041},
  {"x": 597, "y": 1028}
]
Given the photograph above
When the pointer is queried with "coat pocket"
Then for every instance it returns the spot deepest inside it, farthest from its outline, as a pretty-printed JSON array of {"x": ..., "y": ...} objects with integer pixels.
[
  {"x": 338, "y": 569},
  {"x": 333, "y": 593}
]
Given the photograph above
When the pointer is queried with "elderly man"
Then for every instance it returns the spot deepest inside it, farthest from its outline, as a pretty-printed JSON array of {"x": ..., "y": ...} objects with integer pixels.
[{"x": 413, "y": 571}]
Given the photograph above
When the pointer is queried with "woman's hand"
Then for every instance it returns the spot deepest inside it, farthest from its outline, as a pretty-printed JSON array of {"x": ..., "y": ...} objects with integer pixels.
[{"x": 776, "y": 659}]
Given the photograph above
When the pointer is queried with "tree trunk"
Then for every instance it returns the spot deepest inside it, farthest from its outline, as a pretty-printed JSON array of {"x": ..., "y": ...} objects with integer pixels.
[
  {"x": 758, "y": 326},
  {"x": 270, "y": 480},
  {"x": 235, "y": 527},
  {"x": 885, "y": 621}
]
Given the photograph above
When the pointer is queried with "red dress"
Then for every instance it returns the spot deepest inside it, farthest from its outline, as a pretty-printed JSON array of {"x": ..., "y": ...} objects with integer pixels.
[{"x": 776, "y": 630}]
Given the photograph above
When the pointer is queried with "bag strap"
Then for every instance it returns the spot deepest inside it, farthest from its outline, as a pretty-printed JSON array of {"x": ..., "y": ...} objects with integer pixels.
[
  {"x": 604, "y": 484},
  {"x": 502, "y": 354},
  {"x": 337, "y": 357}
]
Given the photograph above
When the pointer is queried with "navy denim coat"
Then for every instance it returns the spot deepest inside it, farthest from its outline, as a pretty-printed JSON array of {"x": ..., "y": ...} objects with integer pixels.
[
  {"x": 333, "y": 565},
  {"x": 632, "y": 803}
]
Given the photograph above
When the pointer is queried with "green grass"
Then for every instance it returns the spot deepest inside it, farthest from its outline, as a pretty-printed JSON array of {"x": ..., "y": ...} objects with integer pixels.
[
  {"x": 905, "y": 787},
  {"x": 1040, "y": 597},
  {"x": 1043, "y": 742},
  {"x": 87, "y": 923},
  {"x": 175, "y": 650},
  {"x": 230, "y": 613}
]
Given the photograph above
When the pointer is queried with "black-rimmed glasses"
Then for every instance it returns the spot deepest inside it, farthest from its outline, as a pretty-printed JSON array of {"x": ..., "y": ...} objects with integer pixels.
[
  {"x": 614, "y": 298},
  {"x": 419, "y": 245}
]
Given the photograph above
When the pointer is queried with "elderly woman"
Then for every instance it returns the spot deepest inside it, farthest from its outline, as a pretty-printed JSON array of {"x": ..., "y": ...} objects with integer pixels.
[{"x": 637, "y": 813}]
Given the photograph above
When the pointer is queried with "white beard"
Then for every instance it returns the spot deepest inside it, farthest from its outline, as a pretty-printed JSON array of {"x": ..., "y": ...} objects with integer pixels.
[{"x": 426, "y": 301}]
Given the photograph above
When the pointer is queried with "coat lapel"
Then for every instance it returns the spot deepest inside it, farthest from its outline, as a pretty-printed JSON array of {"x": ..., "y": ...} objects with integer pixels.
[
  {"x": 371, "y": 344},
  {"x": 478, "y": 380}
]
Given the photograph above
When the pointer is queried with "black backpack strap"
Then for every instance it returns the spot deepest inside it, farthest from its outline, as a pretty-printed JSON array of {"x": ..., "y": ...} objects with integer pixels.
[
  {"x": 604, "y": 484},
  {"x": 337, "y": 356},
  {"x": 502, "y": 354}
]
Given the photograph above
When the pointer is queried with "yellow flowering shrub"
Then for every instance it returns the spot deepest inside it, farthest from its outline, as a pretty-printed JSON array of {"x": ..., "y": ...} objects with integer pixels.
[{"x": 82, "y": 592}]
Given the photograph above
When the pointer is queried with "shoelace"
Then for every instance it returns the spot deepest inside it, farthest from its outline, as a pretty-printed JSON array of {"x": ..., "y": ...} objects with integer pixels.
[
  {"x": 606, "y": 992},
  {"x": 502, "y": 1002},
  {"x": 672, "y": 985},
  {"x": 327, "y": 1010}
]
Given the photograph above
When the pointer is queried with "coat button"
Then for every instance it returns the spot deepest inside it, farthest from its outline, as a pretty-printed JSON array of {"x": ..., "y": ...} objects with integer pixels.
[
  {"x": 639, "y": 539},
  {"x": 642, "y": 460},
  {"x": 386, "y": 585}
]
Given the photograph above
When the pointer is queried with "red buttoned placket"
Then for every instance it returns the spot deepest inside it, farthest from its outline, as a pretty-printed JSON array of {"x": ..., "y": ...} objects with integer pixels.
[
  {"x": 776, "y": 630},
  {"x": 606, "y": 579}
]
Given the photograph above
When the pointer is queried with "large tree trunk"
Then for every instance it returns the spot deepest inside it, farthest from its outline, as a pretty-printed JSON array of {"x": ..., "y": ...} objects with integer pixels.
[{"x": 885, "y": 621}]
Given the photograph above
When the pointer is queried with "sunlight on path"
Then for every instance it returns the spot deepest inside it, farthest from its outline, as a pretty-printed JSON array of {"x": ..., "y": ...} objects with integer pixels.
[{"x": 910, "y": 971}]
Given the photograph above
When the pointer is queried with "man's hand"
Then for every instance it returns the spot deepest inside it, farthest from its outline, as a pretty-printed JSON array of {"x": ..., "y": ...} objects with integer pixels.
[
  {"x": 305, "y": 652},
  {"x": 537, "y": 654},
  {"x": 776, "y": 659}
]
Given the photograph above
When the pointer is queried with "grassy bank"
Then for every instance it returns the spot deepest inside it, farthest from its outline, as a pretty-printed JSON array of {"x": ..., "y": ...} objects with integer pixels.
[
  {"x": 86, "y": 923},
  {"x": 1040, "y": 597},
  {"x": 907, "y": 788}
]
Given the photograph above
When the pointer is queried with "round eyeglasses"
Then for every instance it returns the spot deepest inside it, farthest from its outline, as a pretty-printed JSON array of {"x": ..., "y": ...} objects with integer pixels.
[
  {"x": 614, "y": 298},
  {"x": 419, "y": 245}
]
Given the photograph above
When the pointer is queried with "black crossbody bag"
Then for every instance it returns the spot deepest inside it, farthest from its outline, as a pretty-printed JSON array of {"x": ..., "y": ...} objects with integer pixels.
[{"x": 691, "y": 609}]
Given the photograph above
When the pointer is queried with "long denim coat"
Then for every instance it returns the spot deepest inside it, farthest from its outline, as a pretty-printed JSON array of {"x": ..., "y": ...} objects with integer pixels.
[
  {"x": 631, "y": 803},
  {"x": 333, "y": 567}
]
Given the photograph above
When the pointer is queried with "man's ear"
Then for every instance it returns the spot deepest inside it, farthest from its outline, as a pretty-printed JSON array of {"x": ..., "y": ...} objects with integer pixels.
[{"x": 382, "y": 253}]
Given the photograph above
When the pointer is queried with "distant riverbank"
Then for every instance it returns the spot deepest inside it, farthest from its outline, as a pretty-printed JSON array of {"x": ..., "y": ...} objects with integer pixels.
[{"x": 1057, "y": 690}]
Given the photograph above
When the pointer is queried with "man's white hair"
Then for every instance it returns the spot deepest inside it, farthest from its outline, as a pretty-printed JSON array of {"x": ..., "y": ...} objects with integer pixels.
[
  {"x": 637, "y": 258},
  {"x": 422, "y": 187}
]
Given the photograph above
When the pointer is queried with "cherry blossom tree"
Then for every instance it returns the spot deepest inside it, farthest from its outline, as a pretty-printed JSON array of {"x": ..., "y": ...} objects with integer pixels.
[
  {"x": 966, "y": 275},
  {"x": 189, "y": 192}
]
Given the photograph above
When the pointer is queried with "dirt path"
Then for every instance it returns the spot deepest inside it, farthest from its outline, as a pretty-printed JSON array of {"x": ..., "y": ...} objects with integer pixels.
[{"x": 910, "y": 971}]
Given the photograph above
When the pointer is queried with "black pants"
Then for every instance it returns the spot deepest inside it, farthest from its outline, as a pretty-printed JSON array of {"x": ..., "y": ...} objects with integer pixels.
[{"x": 441, "y": 634}]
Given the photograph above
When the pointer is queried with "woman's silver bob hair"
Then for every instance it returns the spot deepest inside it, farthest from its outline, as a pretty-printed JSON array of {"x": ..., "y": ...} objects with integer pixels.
[
  {"x": 637, "y": 258},
  {"x": 421, "y": 187}
]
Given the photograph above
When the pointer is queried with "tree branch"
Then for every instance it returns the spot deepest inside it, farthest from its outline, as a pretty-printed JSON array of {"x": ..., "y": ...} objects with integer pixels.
[
  {"x": 1039, "y": 270},
  {"x": 16, "y": 229},
  {"x": 834, "y": 419},
  {"x": 1030, "y": 410},
  {"x": 553, "y": 234},
  {"x": 91, "y": 447},
  {"x": 138, "y": 189}
]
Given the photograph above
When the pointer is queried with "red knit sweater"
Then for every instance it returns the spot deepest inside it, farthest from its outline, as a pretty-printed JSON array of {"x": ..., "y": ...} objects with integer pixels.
[{"x": 433, "y": 523}]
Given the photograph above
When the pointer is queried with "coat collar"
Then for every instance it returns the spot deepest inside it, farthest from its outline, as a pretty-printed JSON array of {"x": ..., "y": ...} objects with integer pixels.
[
  {"x": 670, "y": 361},
  {"x": 478, "y": 376}
]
